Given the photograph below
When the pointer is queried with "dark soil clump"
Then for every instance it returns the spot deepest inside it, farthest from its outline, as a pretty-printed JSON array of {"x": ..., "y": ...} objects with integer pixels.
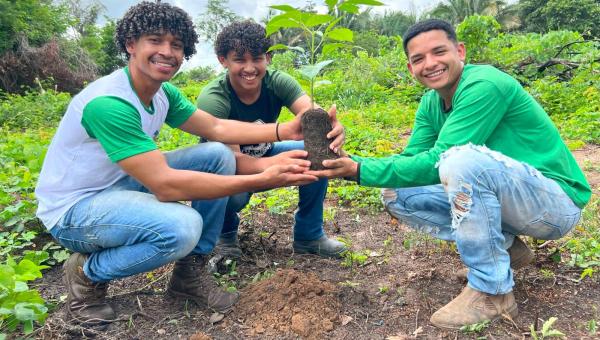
[
  {"x": 315, "y": 127},
  {"x": 291, "y": 303}
]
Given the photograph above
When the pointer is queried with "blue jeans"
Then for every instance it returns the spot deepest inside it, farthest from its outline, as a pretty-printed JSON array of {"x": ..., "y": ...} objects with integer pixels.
[
  {"x": 126, "y": 230},
  {"x": 309, "y": 216},
  {"x": 485, "y": 199}
]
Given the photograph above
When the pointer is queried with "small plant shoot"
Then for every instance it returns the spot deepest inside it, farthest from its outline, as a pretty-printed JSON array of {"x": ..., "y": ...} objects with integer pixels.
[{"x": 322, "y": 33}]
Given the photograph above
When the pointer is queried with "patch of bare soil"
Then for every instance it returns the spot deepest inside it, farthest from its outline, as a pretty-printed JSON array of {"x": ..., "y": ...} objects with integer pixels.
[
  {"x": 291, "y": 303},
  {"x": 405, "y": 279}
]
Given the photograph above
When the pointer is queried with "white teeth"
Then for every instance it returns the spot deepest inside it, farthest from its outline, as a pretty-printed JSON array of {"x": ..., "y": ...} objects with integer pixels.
[
  {"x": 252, "y": 77},
  {"x": 435, "y": 74}
]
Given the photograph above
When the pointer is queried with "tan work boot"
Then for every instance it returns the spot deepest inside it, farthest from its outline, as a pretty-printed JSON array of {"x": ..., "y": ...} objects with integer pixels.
[
  {"x": 191, "y": 280},
  {"x": 85, "y": 299},
  {"x": 472, "y": 306},
  {"x": 520, "y": 256}
]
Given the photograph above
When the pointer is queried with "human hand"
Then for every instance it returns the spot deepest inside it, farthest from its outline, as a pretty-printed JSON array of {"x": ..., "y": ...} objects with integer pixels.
[
  {"x": 336, "y": 168},
  {"x": 291, "y": 130},
  {"x": 292, "y": 157},
  {"x": 286, "y": 175},
  {"x": 337, "y": 132}
]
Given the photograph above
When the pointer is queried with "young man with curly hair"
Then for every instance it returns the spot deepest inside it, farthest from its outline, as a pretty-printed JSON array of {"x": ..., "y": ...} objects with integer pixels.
[
  {"x": 248, "y": 91},
  {"x": 484, "y": 164},
  {"x": 108, "y": 194}
]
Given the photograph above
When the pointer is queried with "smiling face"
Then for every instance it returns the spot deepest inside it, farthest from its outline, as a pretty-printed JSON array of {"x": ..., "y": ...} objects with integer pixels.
[
  {"x": 245, "y": 71},
  {"x": 155, "y": 58},
  {"x": 436, "y": 61}
]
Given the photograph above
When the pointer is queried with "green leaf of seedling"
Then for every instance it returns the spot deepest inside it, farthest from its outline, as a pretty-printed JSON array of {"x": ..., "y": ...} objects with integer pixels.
[
  {"x": 348, "y": 7},
  {"x": 311, "y": 20},
  {"x": 27, "y": 271},
  {"x": 278, "y": 47},
  {"x": 283, "y": 8},
  {"x": 365, "y": 2},
  {"x": 340, "y": 34},
  {"x": 331, "y": 4},
  {"x": 328, "y": 48},
  {"x": 333, "y": 23},
  {"x": 61, "y": 255},
  {"x": 287, "y": 20},
  {"x": 311, "y": 71}
]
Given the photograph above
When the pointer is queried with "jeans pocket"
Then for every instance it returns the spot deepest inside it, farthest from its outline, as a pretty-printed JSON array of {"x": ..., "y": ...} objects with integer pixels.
[{"x": 551, "y": 226}]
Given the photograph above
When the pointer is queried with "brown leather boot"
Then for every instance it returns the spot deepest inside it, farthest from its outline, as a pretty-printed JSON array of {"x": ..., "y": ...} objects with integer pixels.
[
  {"x": 86, "y": 299},
  {"x": 191, "y": 280},
  {"x": 472, "y": 306},
  {"x": 520, "y": 256}
]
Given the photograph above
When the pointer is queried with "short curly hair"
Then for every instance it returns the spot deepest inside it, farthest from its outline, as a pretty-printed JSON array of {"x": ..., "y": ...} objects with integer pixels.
[
  {"x": 241, "y": 37},
  {"x": 152, "y": 18}
]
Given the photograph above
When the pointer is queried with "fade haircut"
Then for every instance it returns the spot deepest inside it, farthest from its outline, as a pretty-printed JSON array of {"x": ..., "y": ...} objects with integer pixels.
[
  {"x": 241, "y": 37},
  {"x": 426, "y": 26},
  {"x": 156, "y": 18}
]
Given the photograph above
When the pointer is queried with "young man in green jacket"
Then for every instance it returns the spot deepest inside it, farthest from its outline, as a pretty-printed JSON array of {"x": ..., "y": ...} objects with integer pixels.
[
  {"x": 248, "y": 91},
  {"x": 484, "y": 164}
]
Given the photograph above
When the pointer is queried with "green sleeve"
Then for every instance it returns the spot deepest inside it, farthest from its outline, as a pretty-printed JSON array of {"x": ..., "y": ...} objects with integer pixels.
[
  {"x": 215, "y": 99},
  {"x": 117, "y": 126},
  {"x": 180, "y": 109},
  {"x": 286, "y": 88},
  {"x": 477, "y": 111}
]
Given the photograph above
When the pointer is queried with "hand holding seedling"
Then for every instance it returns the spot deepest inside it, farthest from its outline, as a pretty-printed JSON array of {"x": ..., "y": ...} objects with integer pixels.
[
  {"x": 337, "y": 132},
  {"x": 292, "y": 157}
]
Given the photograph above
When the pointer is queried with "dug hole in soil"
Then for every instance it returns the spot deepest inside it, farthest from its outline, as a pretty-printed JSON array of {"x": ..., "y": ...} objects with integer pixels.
[{"x": 315, "y": 127}]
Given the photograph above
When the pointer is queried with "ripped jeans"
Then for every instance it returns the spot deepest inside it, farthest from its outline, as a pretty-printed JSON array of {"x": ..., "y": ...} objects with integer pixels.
[
  {"x": 126, "y": 230},
  {"x": 485, "y": 199}
]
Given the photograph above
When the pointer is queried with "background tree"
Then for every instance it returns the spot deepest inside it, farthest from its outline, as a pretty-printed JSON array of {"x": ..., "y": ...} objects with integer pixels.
[
  {"x": 216, "y": 16},
  {"x": 455, "y": 11},
  {"x": 546, "y": 15},
  {"x": 36, "y": 20}
]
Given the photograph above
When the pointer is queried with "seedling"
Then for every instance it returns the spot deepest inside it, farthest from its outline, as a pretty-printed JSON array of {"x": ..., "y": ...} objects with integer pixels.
[
  {"x": 547, "y": 331},
  {"x": 322, "y": 34}
]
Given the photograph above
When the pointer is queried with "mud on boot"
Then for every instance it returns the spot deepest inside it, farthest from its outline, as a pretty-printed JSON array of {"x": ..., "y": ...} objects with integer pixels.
[
  {"x": 86, "y": 300},
  {"x": 191, "y": 280}
]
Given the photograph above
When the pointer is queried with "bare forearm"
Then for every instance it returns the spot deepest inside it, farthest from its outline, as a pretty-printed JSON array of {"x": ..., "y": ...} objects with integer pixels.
[
  {"x": 184, "y": 185},
  {"x": 246, "y": 165}
]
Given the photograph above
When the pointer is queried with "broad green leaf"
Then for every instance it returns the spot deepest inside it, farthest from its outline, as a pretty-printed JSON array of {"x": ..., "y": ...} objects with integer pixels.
[
  {"x": 273, "y": 27},
  {"x": 350, "y": 8},
  {"x": 333, "y": 23},
  {"x": 283, "y": 8},
  {"x": 311, "y": 20},
  {"x": 21, "y": 286},
  {"x": 331, "y": 4},
  {"x": 7, "y": 276},
  {"x": 311, "y": 71},
  {"x": 297, "y": 49},
  {"x": 278, "y": 47},
  {"x": 27, "y": 271},
  {"x": 365, "y": 2},
  {"x": 23, "y": 311},
  {"x": 36, "y": 257},
  {"x": 340, "y": 34},
  {"x": 328, "y": 48}
]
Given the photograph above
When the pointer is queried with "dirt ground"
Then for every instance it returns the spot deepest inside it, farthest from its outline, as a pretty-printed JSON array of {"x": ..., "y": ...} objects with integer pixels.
[{"x": 391, "y": 296}]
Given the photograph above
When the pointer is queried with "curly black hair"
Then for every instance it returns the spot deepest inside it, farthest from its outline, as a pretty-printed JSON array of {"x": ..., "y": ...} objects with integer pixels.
[
  {"x": 151, "y": 18},
  {"x": 241, "y": 37}
]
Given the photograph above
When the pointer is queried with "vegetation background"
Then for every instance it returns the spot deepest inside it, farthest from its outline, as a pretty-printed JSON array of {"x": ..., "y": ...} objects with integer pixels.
[{"x": 49, "y": 50}]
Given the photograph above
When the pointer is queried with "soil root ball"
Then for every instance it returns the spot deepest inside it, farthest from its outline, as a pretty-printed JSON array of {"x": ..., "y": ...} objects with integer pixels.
[{"x": 315, "y": 127}]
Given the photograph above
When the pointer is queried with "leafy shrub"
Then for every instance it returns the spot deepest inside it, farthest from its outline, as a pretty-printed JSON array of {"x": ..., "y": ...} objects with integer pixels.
[
  {"x": 33, "y": 110},
  {"x": 476, "y": 31},
  {"x": 18, "y": 303}
]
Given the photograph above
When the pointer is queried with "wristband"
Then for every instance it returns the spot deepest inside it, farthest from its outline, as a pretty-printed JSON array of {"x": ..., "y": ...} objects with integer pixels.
[{"x": 277, "y": 132}]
